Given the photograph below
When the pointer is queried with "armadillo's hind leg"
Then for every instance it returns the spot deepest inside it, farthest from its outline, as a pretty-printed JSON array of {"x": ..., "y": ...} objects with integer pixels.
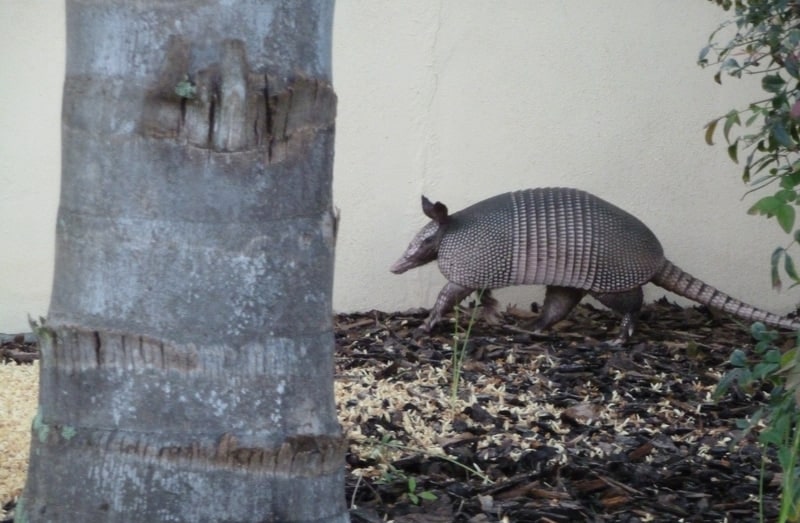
[
  {"x": 628, "y": 304},
  {"x": 489, "y": 306},
  {"x": 450, "y": 295},
  {"x": 558, "y": 301}
]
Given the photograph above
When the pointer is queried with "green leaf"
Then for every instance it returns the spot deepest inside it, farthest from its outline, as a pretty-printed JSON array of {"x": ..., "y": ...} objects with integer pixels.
[
  {"x": 776, "y": 278},
  {"x": 771, "y": 437},
  {"x": 793, "y": 134},
  {"x": 738, "y": 358},
  {"x": 791, "y": 65},
  {"x": 789, "y": 268},
  {"x": 785, "y": 456},
  {"x": 785, "y": 216},
  {"x": 733, "y": 151},
  {"x": 778, "y": 131},
  {"x": 772, "y": 83},
  {"x": 710, "y": 127},
  {"x": 764, "y": 162},
  {"x": 768, "y": 205},
  {"x": 786, "y": 195},
  {"x": 752, "y": 119},
  {"x": 788, "y": 359},
  {"x": 773, "y": 357},
  {"x": 730, "y": 63},
  {"x": 775, "y": 274},
  {"x": 761, "y": 370},
  {"x": 792, "y": 178},
  {"x": 701, "y": 59},
  {"x": 730, "y": 119},
  {"x": 765, "y": 341},
  {"x": 428, "y": 495},
  {"x": 758, "y": 330},
  {"x": 791, "y": 370},
  {"x": 724, "y": 384}
]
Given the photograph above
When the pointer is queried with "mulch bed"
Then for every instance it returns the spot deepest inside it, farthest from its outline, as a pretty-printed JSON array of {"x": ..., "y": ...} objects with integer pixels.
[
  {"x": 20, "y": 349},
  {"x": 565, "y": 427}
]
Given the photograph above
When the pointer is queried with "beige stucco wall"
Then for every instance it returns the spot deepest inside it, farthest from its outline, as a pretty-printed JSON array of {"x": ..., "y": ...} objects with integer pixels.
[
  {"x": 31, "y": 77},
  {"x": 459, "y": 99}
]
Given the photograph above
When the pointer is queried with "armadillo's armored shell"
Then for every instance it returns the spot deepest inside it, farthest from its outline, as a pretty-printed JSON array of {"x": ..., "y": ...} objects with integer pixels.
[{"x": 550, "y": 236}]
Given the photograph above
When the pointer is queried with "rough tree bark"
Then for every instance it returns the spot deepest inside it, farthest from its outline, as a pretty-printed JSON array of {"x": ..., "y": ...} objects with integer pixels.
[{"x": 187, "y": 361}]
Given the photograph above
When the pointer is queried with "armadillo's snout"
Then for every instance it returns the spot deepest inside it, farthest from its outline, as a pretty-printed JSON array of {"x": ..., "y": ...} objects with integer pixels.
[{"x": 422, "y": 249}]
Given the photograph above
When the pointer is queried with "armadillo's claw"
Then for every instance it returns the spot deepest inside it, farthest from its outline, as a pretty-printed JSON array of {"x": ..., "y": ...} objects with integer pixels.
[
  {"x": 618, "y": 341},
  {"x": 419, "y": 333},
  {"x": 626, "y": 329},
  {"x": 429, "y": 322}
]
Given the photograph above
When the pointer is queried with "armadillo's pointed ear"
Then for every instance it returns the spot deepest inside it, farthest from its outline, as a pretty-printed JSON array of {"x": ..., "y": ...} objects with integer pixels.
[{"x": 435, "y": 211}]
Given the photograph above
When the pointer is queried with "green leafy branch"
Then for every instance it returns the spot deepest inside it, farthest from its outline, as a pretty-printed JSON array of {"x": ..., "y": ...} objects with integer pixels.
[
  {"x": 778, "y": 420},
  {"x": 763, "y": 138}
]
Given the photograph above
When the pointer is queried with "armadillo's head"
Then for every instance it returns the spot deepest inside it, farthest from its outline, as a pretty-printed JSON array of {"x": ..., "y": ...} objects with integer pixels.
[{"x": 424, "y": 248}]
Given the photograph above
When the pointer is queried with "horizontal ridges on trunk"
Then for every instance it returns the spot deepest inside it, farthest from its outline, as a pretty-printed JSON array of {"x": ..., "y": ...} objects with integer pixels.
[
  {"x": 72, "y": 349},
  {"x": 75, "y": 349},
  {"x": 94, "y": 381},
  {"x": 678, "y": 281},
  {"x": 303, "y": 456}
]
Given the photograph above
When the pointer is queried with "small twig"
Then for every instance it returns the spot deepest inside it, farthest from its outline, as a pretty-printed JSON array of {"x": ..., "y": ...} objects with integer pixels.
[
  {"x": 619, "y": 485},
  {"x": 534, "y": 334},
  {"x": 355, "y": 490}
]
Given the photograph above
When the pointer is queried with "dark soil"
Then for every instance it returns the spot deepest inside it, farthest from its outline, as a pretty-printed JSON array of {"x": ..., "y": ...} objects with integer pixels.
[{"x": 559, "y": 428}]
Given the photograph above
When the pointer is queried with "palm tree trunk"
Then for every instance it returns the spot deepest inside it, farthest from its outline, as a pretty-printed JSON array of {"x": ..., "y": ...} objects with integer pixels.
[{"x": 187, "y": 360}]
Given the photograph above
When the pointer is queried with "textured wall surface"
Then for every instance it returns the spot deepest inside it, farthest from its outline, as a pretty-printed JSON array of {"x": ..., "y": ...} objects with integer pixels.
[
  {"x": 459, "y": 100},
  {"x": 31, "y": 76}
]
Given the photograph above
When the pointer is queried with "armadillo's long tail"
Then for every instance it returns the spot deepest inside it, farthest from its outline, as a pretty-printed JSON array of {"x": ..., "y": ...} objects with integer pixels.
[{"x": 675, "y": 279}]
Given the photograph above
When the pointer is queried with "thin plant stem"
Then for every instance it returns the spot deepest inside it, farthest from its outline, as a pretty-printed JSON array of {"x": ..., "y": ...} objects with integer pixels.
[
  {"x": 475, "y": 471},
  {"x": 459, "y": 350},
  {"x": 788, "y": 487}
]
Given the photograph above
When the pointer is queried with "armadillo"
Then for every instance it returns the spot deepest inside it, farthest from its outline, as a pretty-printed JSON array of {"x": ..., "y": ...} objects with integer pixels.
[{"x": 573, "y": 242}]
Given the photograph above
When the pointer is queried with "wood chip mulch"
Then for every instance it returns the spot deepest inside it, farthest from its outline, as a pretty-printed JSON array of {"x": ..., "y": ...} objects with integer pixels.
[
  {"x": 565, "y": 427},
  {"x": 20, "y": 348},
  {"x": 559, "y": 428}
]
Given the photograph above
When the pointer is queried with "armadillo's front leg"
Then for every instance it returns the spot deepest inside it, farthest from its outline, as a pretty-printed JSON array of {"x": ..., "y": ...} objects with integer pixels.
[{"x": 450, "y": 295}]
